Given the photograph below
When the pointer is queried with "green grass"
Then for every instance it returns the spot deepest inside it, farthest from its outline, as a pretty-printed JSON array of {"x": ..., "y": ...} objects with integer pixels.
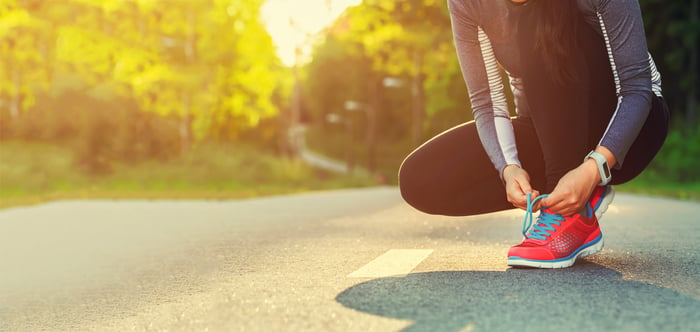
[
  {"x": 650, "y": 184},
  {"x": 38, "y": 172},
  {"x": 32, "y": 173}
]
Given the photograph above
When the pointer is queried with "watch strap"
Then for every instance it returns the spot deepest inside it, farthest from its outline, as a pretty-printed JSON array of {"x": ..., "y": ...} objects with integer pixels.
[{"x": 603, "y": 168}]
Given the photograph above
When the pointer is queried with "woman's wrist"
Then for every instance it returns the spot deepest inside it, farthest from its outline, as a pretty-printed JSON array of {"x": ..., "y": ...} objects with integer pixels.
[
  {"x": 609, "y": 156},
  {"x": 590, "y": 168},
  {"x": 508, "y": 170},
  {"x": 598, "y": 164}
]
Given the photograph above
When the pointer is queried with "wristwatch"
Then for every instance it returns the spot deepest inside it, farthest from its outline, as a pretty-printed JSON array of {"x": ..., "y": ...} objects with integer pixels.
[{"x": 603, "y": 167}]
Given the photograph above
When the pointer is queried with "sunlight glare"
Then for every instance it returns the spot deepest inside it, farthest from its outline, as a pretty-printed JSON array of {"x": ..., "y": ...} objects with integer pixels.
[{"x": 292, "y": 23}]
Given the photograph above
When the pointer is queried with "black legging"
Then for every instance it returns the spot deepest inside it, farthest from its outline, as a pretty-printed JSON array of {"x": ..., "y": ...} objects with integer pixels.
[{"x": 452, "y": 175}]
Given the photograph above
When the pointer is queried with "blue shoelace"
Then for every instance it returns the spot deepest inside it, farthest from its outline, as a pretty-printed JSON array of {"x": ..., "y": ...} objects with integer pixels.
[{"x": 545, "y": 221}]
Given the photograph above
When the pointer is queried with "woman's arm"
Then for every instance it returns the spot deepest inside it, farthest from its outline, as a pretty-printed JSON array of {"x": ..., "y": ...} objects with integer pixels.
[
  {"x": 483, "y": 79},
  {"x": 622, "y": 27}
]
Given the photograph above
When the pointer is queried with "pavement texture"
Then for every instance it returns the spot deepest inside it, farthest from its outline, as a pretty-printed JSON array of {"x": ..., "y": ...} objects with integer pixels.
[{"x": 289, "y": 264}]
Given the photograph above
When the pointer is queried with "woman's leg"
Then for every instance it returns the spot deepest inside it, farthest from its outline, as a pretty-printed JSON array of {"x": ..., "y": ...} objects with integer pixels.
[{"x": 452, "y": 175}]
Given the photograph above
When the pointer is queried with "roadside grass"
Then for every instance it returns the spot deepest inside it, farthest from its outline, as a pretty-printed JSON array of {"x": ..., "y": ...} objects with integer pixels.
[
  {"x": 32, "y": 173},
  {"x": 648, "y": 183}
]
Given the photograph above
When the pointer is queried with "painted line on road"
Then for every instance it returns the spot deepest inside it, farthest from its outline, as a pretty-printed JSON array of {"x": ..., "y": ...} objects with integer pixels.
[{"x": 395, "y": 262}]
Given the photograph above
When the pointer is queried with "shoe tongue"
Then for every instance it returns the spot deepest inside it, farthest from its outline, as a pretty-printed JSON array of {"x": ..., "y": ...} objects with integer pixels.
[
  {"x": 548, "y": 211},
  {"x": 584, "y": 214}
]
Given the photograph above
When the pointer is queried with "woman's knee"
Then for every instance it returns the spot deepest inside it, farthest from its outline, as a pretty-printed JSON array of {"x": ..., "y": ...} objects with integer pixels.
[
  {"x": 411, "y": 183},
  {"x": 650, "y": 140}
]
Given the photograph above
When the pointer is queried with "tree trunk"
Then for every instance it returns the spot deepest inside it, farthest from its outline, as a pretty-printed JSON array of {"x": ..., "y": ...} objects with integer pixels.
[
  {"x": 418, "y": 96},
  {"x": 350, "y": 152},
  {"x": 371, "y": 112},
  {"x": 16, "y": 101},
  {"x": 186, "y": 138},
  {"x": 190, "y": 44},
  {"x": 295, "y": 114},
  {"x": 186, "y": 120},
  {"x": 692, "y": 97}
]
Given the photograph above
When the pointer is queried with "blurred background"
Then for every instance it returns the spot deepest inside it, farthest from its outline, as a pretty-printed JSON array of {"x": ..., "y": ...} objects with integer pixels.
[{"x": 242, "y": 98}]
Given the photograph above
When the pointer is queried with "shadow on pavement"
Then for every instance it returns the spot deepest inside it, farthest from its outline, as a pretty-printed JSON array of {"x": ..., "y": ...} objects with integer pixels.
[{"x": 586, "y": 297}]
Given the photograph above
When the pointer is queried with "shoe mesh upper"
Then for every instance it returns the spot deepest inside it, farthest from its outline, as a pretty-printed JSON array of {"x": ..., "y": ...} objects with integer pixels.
[{"x": 566, "y": 242}]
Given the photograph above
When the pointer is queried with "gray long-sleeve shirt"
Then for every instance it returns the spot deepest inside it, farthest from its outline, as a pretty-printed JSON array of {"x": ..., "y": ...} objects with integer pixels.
[{"x": 484, "y": 32}]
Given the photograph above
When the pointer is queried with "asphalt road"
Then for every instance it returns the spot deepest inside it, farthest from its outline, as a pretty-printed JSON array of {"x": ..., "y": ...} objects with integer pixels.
[{"x": 353, "y": 260}]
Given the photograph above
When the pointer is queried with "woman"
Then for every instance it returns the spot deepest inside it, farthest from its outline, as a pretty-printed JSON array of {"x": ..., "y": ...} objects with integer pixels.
[{"x": 589, "y": 115}]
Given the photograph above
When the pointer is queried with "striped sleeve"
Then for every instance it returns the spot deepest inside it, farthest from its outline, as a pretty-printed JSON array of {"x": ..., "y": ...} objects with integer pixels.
[
  {"x": 634, "y": 72},
  {"x": 481, "y": 74}
]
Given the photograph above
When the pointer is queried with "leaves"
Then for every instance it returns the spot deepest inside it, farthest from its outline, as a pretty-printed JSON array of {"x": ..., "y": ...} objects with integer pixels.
[
  {"x": 202, "y": 60},
  {"x": 410, "y": 40}
]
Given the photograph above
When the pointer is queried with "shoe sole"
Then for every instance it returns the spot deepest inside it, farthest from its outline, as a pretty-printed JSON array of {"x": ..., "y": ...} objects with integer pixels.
[
  {"x": 590, "y": 249},
  {"x": 605, "y": 202}
]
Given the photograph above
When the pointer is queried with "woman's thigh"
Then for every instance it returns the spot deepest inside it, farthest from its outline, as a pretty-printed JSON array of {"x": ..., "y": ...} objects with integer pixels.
[{"x": 452, "y": 175}]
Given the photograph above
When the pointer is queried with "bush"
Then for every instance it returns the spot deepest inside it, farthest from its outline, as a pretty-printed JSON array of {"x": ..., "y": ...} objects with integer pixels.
[
  {"x": 98, "y": 131},
  {"x": 679, "y": 159}
]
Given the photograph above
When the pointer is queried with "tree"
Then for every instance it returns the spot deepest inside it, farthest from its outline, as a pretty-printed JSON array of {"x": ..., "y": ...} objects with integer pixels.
[
  {"x": 210, "y": 63},
  {"x": 402, "y": 39},
  {"x": 407, "y": 41},
  {"x": 22, "y": 67},
  {"x": 673, "y": 34}
]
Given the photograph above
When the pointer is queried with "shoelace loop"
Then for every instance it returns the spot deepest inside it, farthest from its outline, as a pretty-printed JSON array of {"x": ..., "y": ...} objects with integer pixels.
[{"x": 545, "y": 221}]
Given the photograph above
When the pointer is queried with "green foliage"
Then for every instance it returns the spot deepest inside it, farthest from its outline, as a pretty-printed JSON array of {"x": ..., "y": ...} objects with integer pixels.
[
  {"x": 23, "y": 56},
  {"x": 409, "y": 42},
  {"x": 673, "y": 36},
  {"x": 679, "y": 159},
  {"x": 210, "y": 64},
  {"x": 333, "y": 77},
  {"x": 410, "y": 39}
]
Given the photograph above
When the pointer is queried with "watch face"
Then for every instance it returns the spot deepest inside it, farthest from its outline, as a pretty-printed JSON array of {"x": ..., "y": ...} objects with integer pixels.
[{"x": 606, "y": 170}]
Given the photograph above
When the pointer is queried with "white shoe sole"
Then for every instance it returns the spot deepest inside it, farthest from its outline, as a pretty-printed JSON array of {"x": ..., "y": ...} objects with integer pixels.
[
  {"x": 605, "y": 203},
  {"x": 590, "y": 250}
]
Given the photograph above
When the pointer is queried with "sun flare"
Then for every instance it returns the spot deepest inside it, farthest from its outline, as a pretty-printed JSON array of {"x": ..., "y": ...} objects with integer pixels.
[{"x": 292, "y": 23}]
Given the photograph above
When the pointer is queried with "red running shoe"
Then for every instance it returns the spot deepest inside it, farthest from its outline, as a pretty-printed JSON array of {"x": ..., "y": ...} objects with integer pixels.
[{"x": 556, "y": 241}]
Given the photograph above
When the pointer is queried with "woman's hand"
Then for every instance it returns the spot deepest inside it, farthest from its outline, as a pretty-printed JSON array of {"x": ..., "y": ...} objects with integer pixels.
[
  {"x": 573, "y": 190},
  {"x": 518, "y": 186}
]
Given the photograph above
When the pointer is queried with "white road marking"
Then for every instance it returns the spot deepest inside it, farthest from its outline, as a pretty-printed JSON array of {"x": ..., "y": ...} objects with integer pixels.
[{"x": 395, "y": 262}]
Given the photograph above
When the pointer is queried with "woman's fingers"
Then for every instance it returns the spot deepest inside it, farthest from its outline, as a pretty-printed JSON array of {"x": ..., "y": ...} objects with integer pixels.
[
  {"x": 517, "y": 194},
  {"x": 572, "y": 191},
  {"x": 562, "y": 203}
]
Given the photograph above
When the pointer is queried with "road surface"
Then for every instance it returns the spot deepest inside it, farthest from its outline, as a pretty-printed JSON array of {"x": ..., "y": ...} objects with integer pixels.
[{"x": 349, "y": 260}]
